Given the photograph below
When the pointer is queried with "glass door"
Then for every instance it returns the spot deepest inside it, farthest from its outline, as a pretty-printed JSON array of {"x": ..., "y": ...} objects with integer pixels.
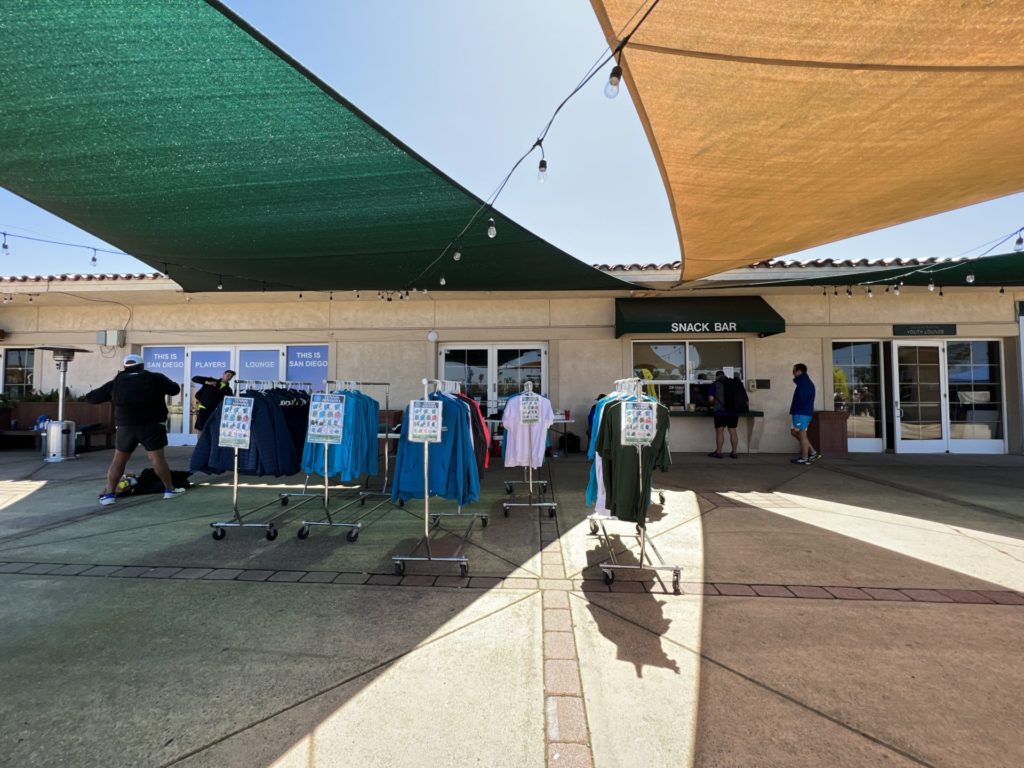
[
  {"x": 491, "y": 374},
  {"x": 920, "y": 418}
]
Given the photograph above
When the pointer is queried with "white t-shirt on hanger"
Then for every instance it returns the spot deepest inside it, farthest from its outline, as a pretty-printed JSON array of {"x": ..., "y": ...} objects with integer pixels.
[{"x": 522, "y": 450}]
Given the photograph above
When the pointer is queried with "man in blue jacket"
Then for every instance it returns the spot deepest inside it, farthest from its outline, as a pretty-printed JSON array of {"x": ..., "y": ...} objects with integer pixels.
[{"x": 801, "y": 411}]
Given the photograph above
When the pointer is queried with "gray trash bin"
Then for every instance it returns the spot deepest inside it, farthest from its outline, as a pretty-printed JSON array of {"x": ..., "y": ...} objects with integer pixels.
[{"x": 59, "y": 441}]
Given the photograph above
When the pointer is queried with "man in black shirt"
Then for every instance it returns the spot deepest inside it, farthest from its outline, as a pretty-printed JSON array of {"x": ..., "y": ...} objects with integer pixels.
[
  {"x": 140, "y": 414},
  {"x": 211, "y": 392}
]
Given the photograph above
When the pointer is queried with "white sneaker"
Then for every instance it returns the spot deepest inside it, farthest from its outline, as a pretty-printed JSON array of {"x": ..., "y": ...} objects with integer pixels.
[
  {"x": 106, "y": 499},
  {"x": 173, "y": 492}
]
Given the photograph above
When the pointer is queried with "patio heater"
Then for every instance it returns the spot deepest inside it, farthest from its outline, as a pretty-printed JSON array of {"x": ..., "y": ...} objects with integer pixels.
[{"x": 60, "y": 434}]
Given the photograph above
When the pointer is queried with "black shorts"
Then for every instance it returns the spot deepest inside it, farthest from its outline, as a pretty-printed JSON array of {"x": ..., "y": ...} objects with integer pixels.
[
  {"x": 152, "y": 436},
  {"x": 726, "y": 420}
]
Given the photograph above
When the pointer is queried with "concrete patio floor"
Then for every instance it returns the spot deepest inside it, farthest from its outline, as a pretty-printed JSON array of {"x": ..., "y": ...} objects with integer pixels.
[{"x": 863, "y": 611}]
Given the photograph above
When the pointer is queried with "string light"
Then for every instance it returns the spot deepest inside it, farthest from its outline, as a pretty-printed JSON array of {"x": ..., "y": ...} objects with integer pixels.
[
  {"x": 941, "y": 294},
  {"x": 896, "y": 289},
  {"x": 492, "y": 231},
  {"x": 970, "y": 277},
  {"x": 871, "y": 293},
  {"x": 835, "y": 290},
  {"x": 92, "y": 261},
  {"x": 220, "y": 283},
  {"x": 1002, "y": 290},
  {"x": 611, "y": 90},
  {"x": 849, "y": 292},
  {"x": 330, "y": 296},
  {"x": 457, "y": 253},
  {"x": 1018, "y": 244},
  {"x": 542, "y": 170},
  {"x": 824, "y": 291},
  {"x": 6, "y": 248},
  {"x": 931, "y": 284},
  {"x": 443, "y": 281}
]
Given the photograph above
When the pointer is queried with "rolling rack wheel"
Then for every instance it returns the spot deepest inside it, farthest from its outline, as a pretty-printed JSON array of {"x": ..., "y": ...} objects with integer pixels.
[
  {"x": 483, "y": 521},
  {"x": 609, "y": 577},
  {"x": 401, "y": 503},
  {"x": 353, "y": 534},
  {"x": 508, "y": 488},
  {"x": 593, "y": 528},
  {"x": 284, "y": 501},
  {"x": 271, "y": 533},
  {"x": 675, "y": 581},
  {"x": 303, "y": 532},
  {"x": 399, "y": 568},
  {"x": 434, "y": 519},
  {"x": 551, "y": 511},
  {"x": 661, "y": 498},
  {"x": 362, "y": 502},
  {"x": 639, "y": 531},
  {"x": 505, "y": 509},
  {"x": 219, "y": 533},
  {"x": 463, "y": 570}
]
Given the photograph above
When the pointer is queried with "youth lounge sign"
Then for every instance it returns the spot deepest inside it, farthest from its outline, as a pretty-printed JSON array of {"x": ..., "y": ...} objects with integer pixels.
[{"x": 697, "y": 315}]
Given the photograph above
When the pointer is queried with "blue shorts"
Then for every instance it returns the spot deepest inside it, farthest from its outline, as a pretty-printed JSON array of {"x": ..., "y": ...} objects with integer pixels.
[{"x": 801, "y": 422}]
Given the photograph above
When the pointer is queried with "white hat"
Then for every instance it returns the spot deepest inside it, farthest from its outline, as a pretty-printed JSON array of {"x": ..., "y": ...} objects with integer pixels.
[{"x": 132, "y": 360}]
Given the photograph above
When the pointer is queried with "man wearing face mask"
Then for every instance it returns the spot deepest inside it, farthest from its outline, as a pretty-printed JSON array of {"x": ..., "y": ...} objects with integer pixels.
[{"x": 801, "y": 412}]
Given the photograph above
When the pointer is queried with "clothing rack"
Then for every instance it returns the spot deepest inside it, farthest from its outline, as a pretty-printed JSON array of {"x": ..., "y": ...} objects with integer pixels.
[
  {"x": 237, "y": 520},
  {"x": 387, "y": 435},
  {"x": 634, "y": 387},
  {"x": 355, "y": 525},
  {"x": 432, "y": 519},
  {"x": 550, "y": 506}
]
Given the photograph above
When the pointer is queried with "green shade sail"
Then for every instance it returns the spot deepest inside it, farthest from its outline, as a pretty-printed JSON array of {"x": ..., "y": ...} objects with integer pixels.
[
  {"x": 1003, "y": 270},
  {"x": 172, "y": 130},
  {"x": 697, "y": 315}
]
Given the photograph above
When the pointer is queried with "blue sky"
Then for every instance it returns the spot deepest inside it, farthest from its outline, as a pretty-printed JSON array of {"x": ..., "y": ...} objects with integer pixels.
[{"x": 469, "y": 85}]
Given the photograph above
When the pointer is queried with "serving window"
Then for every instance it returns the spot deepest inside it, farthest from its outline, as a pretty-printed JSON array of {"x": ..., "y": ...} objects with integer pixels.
[{"x": 679, "y": 374}]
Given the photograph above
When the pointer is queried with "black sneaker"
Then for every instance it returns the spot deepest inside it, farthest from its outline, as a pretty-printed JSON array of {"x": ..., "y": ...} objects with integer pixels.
[
  {"x": 813, "y": 457},
  {"x": 799, "y": 460}
]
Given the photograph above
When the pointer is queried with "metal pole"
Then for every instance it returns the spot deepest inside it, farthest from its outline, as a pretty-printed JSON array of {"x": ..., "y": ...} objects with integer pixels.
[
  {"x": 426, "y": 485},
  {"x": 643, "y": 501},
  {"x": 234, "y": 486},
  {"x": 62, "y": 366}
]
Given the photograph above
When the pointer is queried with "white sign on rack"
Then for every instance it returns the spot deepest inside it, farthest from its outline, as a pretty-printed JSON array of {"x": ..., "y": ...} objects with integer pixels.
[
  {"x": 425, "y": 421},
  {"x": 326, "y": 418},
  {"x": 639, "y": 423},
  {"x": 235, "y": 422},
  {"x": 529, "y": 409}
]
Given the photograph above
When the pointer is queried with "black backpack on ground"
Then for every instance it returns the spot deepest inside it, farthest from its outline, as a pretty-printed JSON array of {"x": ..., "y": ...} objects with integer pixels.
[{"x": 735, "y": 397}]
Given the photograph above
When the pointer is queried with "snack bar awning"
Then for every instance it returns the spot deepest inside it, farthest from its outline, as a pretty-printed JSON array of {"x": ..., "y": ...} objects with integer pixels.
[
  {"x": 697, "y": 315},
  {"x": 172, "y": 130},
  {"x": 785, "y": 125}
]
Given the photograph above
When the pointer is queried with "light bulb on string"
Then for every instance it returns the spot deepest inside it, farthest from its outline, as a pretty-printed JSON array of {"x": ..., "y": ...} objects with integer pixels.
[
  {"x": 941, "y": 294},
  {"x": 824, "y": 291},
  {"x": 300, "y": 294},
  {"x": 611, "y": 90},
  {"x": 1002, "y": 290},
  {"x": 970, "y": 277},
  {"x": 220, "y": 283},
  {"x": 896, "y": 289},
  {"x": 92, "y": 261},
  {"x": 357, "y": 295},
  {"x": 849, "y": 292},
  {"x": 330, "y": 296},
  {"x": 492, "y": 231},
  {"x": 931, "y": 285},
  {"x": 442, "y": 281},
  {"x": 457, "y": 253},
  {"x": 1018, "y": 244},
  {"x": 835, "y": 290},
  {"x": 871, "y": 293},
  {"x": 542, "y": 170},
  {"x": 6, "y": 248}
]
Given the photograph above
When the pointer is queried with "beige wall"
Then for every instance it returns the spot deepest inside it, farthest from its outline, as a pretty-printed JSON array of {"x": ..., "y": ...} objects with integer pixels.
[{"x": 387, "y": 341}]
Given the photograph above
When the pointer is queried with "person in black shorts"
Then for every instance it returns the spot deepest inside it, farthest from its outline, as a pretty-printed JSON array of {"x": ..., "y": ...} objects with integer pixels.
[
  {"x": 140, "y": 415},
  {"x": 723, "y": 419}
]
